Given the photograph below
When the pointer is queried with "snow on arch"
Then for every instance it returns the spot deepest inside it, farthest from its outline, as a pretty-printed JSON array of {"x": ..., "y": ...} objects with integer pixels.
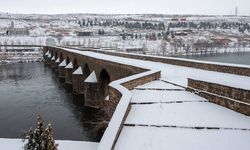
[
  {"x": 53, "y": 58},
  {"x": 47, "y": 53},
  {"x": 58, "y": 60},
  {"x": 63, "y": 63},
  {"x": 69, "y": 66},
  {"x": 78, "y": 71},
  {"x": 107, "y": 98},
  {"x": 91, "y": 78}
]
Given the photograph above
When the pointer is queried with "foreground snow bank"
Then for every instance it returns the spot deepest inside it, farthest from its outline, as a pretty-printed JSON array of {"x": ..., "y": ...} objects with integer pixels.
[{"x": 17, "y": 144}]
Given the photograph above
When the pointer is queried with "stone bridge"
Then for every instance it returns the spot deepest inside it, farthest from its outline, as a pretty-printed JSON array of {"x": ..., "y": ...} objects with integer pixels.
[
  {"x": 86, "y": 75},
  {"x": 106, "y": 78}
]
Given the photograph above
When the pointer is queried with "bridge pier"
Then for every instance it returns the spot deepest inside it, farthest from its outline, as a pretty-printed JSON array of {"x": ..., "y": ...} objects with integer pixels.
[
  {"x": 47, "y": 60},
  {"x": 68, "y": 75},
  {"x": 52, "y": 63},
  {"x": 61, "y": 71},
  {"x": 78, "y": 82},
  {"x": 57, "y": 62},
  {"x": 91, "y": 95},
  {"x": 91, "y": 92}
]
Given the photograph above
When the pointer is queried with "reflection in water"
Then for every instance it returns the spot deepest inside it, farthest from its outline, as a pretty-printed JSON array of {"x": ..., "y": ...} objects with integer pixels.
[
  {"x": 236, "y": 58},
  {"x": 29, "y": 89}
]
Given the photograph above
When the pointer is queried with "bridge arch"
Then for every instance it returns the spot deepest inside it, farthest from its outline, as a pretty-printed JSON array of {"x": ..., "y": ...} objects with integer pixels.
[
  {"x": 56, "y": 55},
  {"x": 104, "y": 80},
  {"x": 75, "y": 64},
  {"x": 61, "y": 57},
  {"x": 67, "y": 60},
  {"x": 86, "y": 71},
  {"x": 52, "y": 52}
]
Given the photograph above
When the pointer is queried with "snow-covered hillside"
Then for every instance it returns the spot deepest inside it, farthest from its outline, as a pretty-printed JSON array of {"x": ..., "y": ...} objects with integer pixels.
[{"x": 154, "y": 34}]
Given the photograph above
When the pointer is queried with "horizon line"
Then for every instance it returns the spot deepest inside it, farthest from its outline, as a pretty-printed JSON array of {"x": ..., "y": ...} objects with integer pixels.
[{"x": 92, "y": 13}]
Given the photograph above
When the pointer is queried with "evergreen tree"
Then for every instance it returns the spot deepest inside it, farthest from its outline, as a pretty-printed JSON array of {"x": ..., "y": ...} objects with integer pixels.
[{"x": 40, "y": 138}]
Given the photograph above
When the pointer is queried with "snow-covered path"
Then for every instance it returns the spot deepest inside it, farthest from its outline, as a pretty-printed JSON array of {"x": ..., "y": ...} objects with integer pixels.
[{"x": 164, "y": 116}]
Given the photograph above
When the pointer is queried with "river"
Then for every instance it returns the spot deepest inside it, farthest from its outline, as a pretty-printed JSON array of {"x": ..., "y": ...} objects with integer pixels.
[
  {"x": 236, "y": 58},
  {"x": 30, "y": 88}
]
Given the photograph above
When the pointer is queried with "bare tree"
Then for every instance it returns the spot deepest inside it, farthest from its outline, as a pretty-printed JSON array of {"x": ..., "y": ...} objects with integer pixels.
[{"x": 163, "y": 47}]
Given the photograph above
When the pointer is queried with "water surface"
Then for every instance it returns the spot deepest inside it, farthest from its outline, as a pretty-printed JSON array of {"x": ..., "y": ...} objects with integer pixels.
[
  {"x": 235, "y": 58},
  {"x": 30, "y": 88}
]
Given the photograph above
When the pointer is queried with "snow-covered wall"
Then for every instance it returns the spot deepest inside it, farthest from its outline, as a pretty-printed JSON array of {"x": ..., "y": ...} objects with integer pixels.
[
  {"x": 237, "y": 99},
  {"x": 123, "y": 86},
  {"x": 212, "y": 66}
]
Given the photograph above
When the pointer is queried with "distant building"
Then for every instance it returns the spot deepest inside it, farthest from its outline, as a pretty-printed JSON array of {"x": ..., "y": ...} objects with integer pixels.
[
  {"x": 16, "y": 31},
  {"x": 183, "y": 19},
  {"x": 134, "y": 49},
  {"x": 184, "y": 32},
  {"x": 181, "y": 33},
  {"x": 85, "y": 33},
  {"x": 177, "y": 19}
]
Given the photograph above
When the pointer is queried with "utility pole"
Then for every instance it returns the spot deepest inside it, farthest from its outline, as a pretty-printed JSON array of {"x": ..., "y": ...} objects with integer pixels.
[{"x": 236, "y": 11}]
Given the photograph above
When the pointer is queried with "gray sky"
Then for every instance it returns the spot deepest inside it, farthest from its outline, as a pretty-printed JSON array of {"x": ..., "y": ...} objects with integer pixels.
[{"x": 214, "y": 7}]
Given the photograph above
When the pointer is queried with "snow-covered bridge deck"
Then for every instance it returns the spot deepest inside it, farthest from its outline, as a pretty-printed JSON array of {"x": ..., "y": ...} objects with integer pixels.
[
  {"x": 177, "y": 74},
  {"x": 165, "y": 117}
]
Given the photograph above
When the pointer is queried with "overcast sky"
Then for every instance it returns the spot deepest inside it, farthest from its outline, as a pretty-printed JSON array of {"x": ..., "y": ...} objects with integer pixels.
[{"x": 212, "y": 7}]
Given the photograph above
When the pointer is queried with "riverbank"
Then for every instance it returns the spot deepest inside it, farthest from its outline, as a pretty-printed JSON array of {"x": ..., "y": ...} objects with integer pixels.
[{"x": 21, "y": 57}]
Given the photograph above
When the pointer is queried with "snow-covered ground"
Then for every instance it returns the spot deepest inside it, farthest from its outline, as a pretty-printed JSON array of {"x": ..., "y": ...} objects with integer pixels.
[
  {"x": 179, "y": 120},
  {"x": 17, "y": 144},
  {"x": 153, "y": 138},
  {"x": 63, "y": 30}
]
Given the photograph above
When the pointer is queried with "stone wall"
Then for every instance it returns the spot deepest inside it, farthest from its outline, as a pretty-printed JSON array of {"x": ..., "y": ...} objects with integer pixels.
[
  {"x": 229, "y": 97},
  {"x": 142, "y": 80},
  {"x": 115, "y": 95},
  {"x": 114, "y": 69},
  {"x": 219, "y": 67}
]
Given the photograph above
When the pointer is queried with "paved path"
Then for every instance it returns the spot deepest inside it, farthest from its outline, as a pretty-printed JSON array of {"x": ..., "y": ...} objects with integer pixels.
[{"x": 164, "y": 116}]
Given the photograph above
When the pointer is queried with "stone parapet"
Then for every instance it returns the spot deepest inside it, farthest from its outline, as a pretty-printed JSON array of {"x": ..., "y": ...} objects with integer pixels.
[{"x": 229, "y": 97}]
